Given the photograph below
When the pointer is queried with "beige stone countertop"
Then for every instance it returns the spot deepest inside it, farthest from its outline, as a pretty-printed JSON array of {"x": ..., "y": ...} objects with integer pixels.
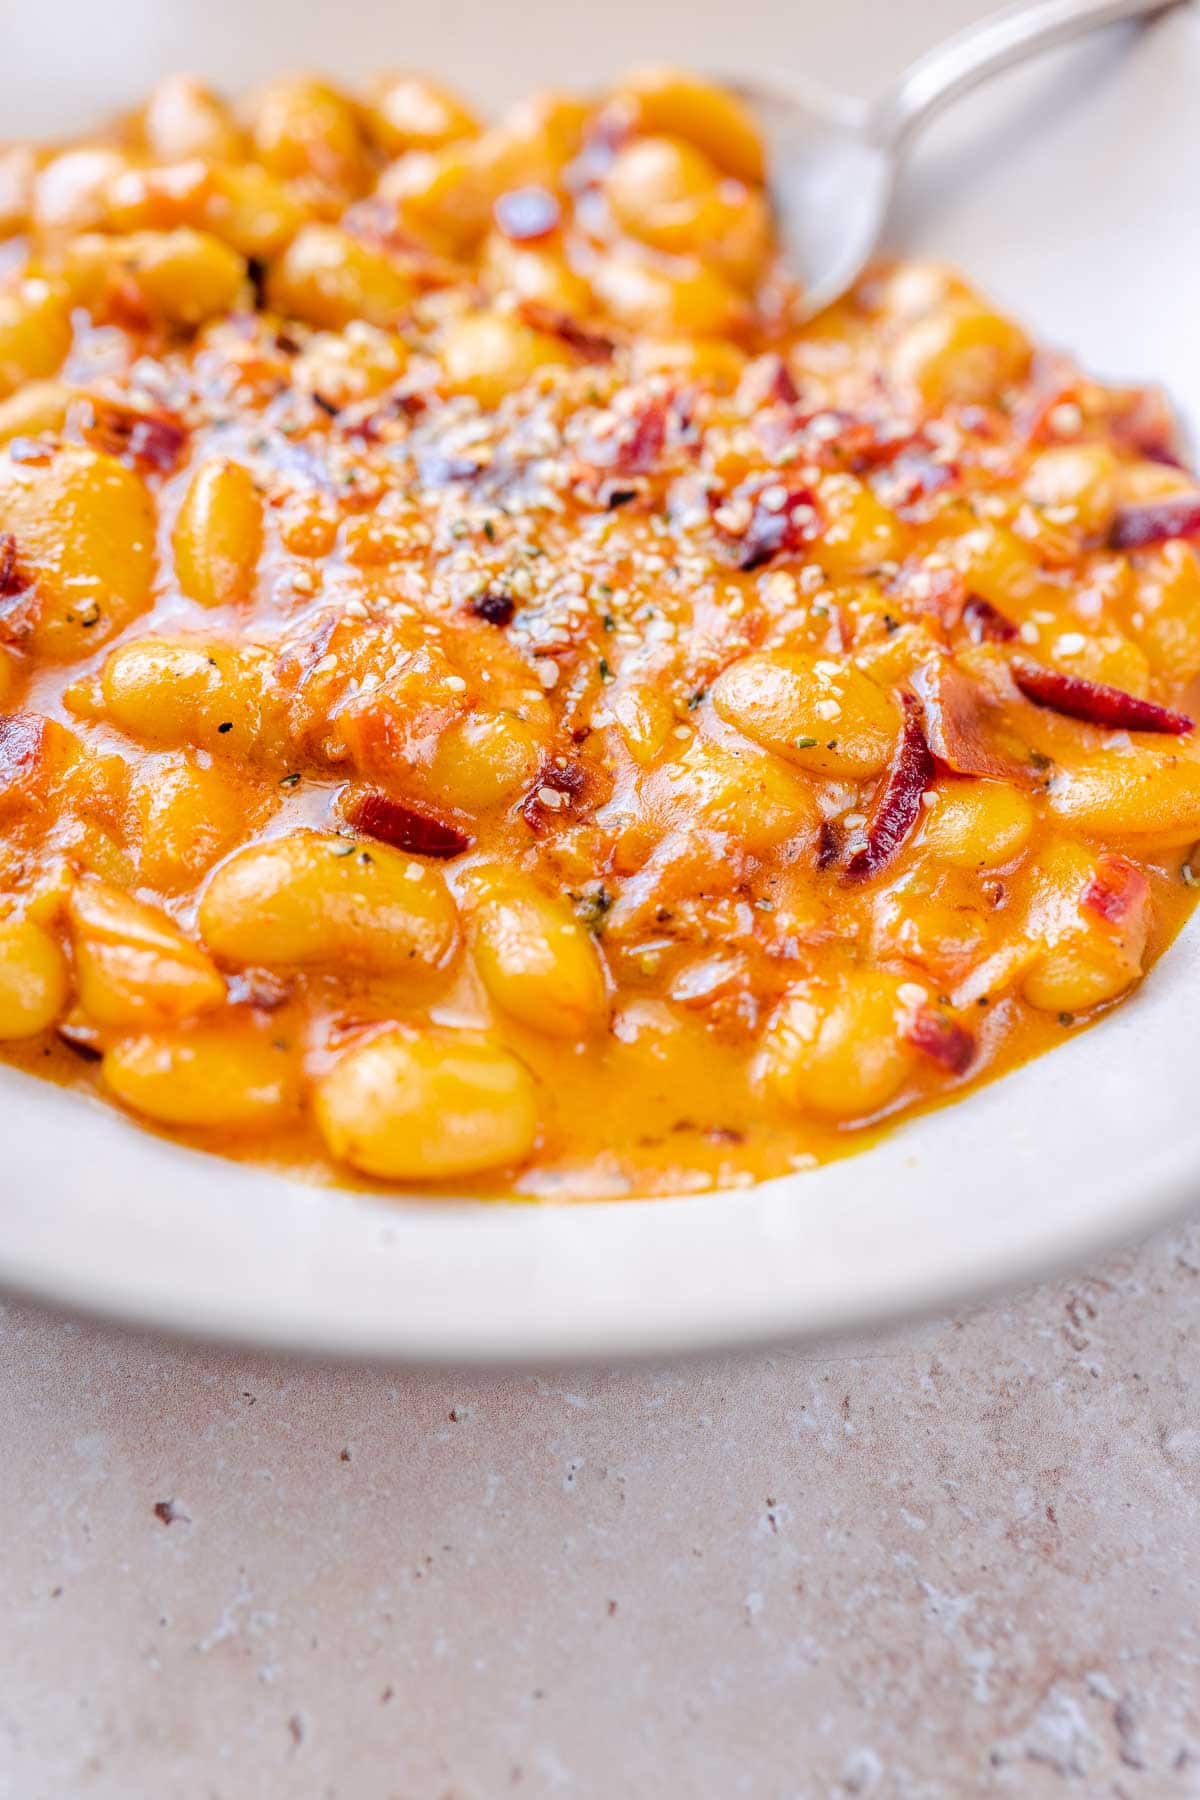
[{"x": 961, "y": 1558}]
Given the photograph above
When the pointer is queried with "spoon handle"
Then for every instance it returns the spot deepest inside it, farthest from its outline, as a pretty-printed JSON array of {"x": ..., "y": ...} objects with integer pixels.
[{"x": 998, "y": 43}]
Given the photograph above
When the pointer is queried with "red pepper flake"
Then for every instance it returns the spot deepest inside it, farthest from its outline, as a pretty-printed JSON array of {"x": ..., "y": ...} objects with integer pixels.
[
  {"x": 525, "y": 214},
  {"x": 784, "y": 521},
  {"x": 944, "y": 1040},
  {"x": 393, "y": 822},
  {"x": 985, "y": 623},
  {"x": 897, "y": 805},
  {"x": 591, "y": 346},
  {"x": 1155, "y": 522},
  {"x": 1117, "y": 892},
  {"x": 149, "y": 440},
  {"x": 1091, "y": 701}
]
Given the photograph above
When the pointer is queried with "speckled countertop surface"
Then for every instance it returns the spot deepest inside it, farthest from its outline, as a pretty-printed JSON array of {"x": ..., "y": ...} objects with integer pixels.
[{"x": 962, "y": 1558}]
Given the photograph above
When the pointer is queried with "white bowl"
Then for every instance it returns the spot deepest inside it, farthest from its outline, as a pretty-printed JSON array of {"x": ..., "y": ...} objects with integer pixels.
[{"x": 1070, "y": 195}]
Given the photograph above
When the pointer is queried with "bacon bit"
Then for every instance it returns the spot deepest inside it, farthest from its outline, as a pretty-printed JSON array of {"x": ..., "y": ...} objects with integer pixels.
[
  {"x": 944, "y": 1040},
  {"x": 1095, "y": 703},
  {"x": 22, "y": 738},
  {"x": 939, "y": 593},
  {"x": 767, "y": 381},
  {"x": 639, "y": 443},
  {"x": 151, "y": 440},
  {"x": 782, "y": 530},
  {"x": 1155, "y": 521},
  {"x": 554, "y": 789},
  {"x": 913, "y": 475},
  {"x": 897, "y": 804},
  {"x": 10, "y": 579},
  {"x": 17, "y": 595},
  {"x": 1054, "y": 382},
  {"x": 125, "y": 304},
  {"x": 957, "y": 726},
  {"x": 829, "y": 845},
  {"x": 592, "y": 346},
  {"x": 526, "y": 213},
  {"x": 392, "y": 822},
  {"x": 1147, "y": 425},
  {"x": 494, "y": 608},
  {"x": 1118, "y": 892},
  {"x": 985, "y": 623}
]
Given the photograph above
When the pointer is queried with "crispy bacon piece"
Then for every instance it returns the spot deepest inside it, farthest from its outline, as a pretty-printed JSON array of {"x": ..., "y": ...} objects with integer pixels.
[
  {"x": 1095, "y": 703},
  {"x": 525, "y": 214},
  {"x": 591, "y": 346},
  {"x": 985, "y": 623},
  {"x": 1155, "y": 521},
  {"x": 782, "y": 523},
  {"x": 149, "y": 440},
  {"x": 942, "y": 1039},
  {"x": 1118, "y": 892},
  {"x": 897, "y": 804},
  {"x": 394, "y": 822},
  {"x": 958, "y": 728}
]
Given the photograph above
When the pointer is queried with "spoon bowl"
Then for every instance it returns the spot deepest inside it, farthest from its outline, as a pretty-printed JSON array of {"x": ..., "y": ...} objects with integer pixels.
[
  {"x": 837, "y": 160},
  {"x": 831, "y": 189}
]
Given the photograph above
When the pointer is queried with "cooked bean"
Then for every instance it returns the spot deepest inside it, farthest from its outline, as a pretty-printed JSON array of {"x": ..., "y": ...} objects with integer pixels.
[
  {"x": 315, "y": 898},
  {"x": 84, "y": 526},
  {"x": 218, "y": 534},
  {"x": 837, "y": 1049},
  {"x": 33, "y": 979},
  {"x": 200, "y": 691},
  {"x": 536, "y": 960},
  {"x": 426, "y": 1106},
  {"x": 225, "y": 1074},
  {"x": 329, "y": 278},
  {"x": 133, "y": 965},
  {"x": 822, "y": 715}
]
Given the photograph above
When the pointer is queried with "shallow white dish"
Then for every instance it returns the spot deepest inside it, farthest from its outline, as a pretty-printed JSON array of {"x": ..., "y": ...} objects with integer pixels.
[{"x": 1070, "y": 196}]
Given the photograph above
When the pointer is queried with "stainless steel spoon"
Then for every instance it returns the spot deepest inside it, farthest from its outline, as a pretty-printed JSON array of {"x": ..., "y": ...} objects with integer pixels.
[{"x": 837, "y": 159}]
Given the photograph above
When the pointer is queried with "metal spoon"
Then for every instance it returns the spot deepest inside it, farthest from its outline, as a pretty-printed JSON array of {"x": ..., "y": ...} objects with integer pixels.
[{"x": 837, "y": 159}]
